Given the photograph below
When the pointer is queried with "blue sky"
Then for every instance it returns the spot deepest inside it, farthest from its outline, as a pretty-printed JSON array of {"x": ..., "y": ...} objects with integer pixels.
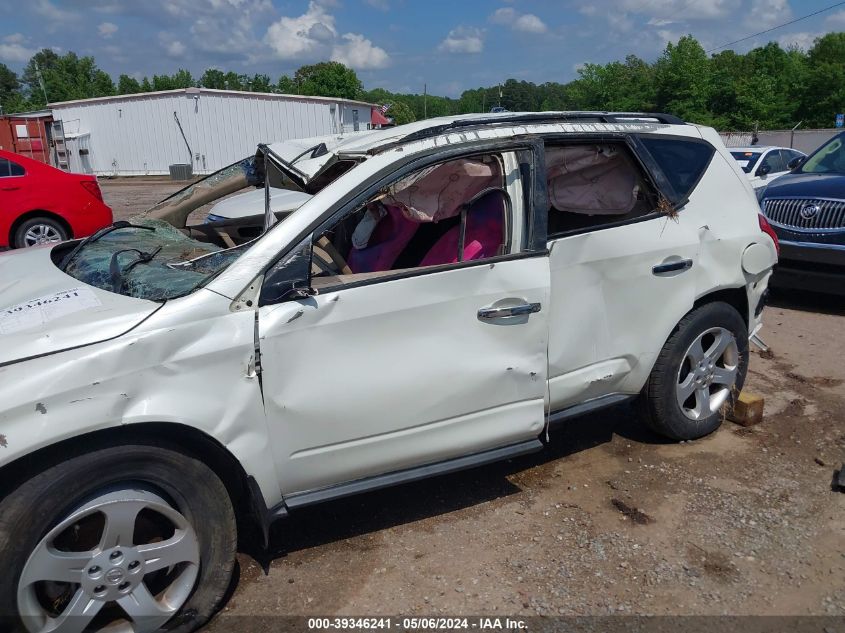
[{"x": 396, "y": 44}]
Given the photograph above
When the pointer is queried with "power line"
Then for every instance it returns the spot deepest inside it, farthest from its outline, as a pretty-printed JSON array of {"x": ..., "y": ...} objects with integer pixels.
[{"x": 774, "y": 28}]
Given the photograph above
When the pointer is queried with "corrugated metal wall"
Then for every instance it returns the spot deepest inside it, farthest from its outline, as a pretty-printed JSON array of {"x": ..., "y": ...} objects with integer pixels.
[
  {"x": 139, "y": 135},
  {"x": 805, "y": 141}
]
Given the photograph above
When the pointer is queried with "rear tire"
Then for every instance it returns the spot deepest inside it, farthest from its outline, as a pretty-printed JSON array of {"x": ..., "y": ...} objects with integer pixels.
[
  {"x": 39, "y": 230},
  {"x": 698, "y": 374},
  {"x": 108, "y": 509}
]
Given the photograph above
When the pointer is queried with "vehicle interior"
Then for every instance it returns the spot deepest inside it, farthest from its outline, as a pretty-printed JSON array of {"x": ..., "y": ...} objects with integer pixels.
[
  {"x": 593, "y": 185},
  {"x": 451, "y": 212}
]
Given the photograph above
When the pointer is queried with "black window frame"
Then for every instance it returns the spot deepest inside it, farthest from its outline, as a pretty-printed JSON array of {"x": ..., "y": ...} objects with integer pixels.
[
  {"x": 630, "y": 144},
  {"x": 677, "y": 199},
  {"x": 535, "y": 203}
]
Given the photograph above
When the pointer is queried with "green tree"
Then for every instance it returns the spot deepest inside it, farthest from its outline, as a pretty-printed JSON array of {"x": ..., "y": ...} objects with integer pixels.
[
  {"x": 146, "y": 86},
  {"x": 328, "y": 79},
  {"x": 183, "y": 79},
  {"x": 10, "y": 90},
  {"x": 65, "y": 77},
  {"x": 259, "y": 83},
  {"x": 213, "y": 78},
  {"x": 127, "y": 85},
  {"x": 401, "y": 113},
  {"x": 683, "y": 78},
  {"x": 825, "y": 81}
]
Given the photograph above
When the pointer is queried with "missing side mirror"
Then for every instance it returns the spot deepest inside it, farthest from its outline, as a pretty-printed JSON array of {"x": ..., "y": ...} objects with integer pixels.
[{"x": 290, "y": 277}]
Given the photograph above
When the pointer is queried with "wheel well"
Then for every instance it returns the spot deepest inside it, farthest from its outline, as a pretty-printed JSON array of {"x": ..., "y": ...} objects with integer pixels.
[
  {"x": 736, "y": 297},
  {"x": 38, "y": 213},
  {"x": 177, "y": 437}
]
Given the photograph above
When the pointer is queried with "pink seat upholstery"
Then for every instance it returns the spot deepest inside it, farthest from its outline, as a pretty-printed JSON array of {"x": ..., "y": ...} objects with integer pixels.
[
  {"x": 391, "y": 235},
  {"x": 483, "y": 238}
]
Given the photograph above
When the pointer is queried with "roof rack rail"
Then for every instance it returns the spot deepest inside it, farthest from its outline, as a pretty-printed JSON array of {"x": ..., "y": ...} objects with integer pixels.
[{"x": 543, "y": 117}]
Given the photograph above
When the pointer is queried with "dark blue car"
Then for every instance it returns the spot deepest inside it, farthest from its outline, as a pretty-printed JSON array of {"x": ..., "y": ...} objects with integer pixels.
[{"x": 806, "y": 207}]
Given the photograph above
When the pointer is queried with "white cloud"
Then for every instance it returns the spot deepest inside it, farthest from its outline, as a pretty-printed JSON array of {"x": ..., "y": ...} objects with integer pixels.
[
  {"x": 307, "y": 34},
  {"x": 463, "y": 40},
  {"x": 768, "y": 13},
  {"x": 48, "y": 10},
  {"x": 530, "y": 23},
  {"x": 836, "y": 20},
  {"x": 358, "y": 52},
  {"x": 381, "y": 5},
  {"x": 802, "y": 40},
  {"x": 527, "y": 22},
  {"x": 657, "y": 12},
  {"x": 13, "y": 49},
  {"x": 107, "y": 29},
  {"x": 172, "y": 47}
]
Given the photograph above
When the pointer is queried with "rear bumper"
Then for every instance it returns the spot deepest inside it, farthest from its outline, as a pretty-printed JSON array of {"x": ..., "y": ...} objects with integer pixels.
[{"x": 811, "y": 266}]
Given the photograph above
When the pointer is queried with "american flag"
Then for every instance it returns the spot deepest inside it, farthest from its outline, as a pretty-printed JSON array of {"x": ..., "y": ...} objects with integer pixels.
[{"x": 385, "y": 108}]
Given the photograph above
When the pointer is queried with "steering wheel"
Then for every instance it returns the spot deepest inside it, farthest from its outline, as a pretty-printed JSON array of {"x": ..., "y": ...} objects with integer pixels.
[{"x": 327, "y": 259}]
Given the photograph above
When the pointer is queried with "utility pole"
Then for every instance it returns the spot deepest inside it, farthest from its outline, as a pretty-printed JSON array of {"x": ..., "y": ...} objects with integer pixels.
[{"x": 41, "y": 82}]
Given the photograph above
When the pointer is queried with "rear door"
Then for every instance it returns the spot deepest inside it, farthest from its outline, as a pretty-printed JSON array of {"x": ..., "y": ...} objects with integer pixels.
[{"x": 620, "y": 285}]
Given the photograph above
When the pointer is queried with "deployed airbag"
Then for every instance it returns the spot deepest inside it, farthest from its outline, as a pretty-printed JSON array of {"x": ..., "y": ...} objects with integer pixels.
[
  {"x": 438, "y": 192},
  {"x": 591, "y": 179}
]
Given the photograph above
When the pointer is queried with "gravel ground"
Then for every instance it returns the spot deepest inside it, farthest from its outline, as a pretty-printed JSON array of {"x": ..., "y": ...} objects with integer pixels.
[{"x": 609, "y": 519}]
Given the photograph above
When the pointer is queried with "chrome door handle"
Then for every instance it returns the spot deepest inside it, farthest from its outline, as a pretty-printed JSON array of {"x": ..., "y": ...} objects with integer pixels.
[
  {"x": 510, "y": 311},
  {"x": 670, "y": 267}
]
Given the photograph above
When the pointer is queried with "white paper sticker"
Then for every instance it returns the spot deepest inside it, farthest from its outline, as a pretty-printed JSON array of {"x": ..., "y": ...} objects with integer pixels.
[{"x": 37, "y": 312}]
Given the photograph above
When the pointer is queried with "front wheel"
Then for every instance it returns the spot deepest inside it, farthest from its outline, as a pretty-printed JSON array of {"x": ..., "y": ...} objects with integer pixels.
[
  {"x": 698, "y": 373},
  {"x": 130, "y": 538}
]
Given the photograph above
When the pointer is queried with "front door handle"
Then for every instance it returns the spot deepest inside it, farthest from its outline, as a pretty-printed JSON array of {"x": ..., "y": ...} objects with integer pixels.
[
  {"x": 509, "y": 311},
  {"x": 671, "y": 267}
]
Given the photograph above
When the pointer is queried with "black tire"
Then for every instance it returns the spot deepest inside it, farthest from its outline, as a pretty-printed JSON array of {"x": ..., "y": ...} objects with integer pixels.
[
  {"x": 29, "y": 512},
  {"x": 658, "y": 402},
  {"x": 19, "y": 239}
]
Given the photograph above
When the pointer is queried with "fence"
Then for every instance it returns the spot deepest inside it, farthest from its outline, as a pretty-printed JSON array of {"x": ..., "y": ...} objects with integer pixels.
[{"x": 803, "y": 140}]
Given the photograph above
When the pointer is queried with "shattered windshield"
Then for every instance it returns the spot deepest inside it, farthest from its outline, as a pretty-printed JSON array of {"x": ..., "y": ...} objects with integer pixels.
[
  {"x": 158, "y": 256},
  {"x": 150, "y": 260}
]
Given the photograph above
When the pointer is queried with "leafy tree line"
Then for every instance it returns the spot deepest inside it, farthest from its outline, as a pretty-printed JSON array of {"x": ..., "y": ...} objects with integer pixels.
[{"x": 769, "y": 87}]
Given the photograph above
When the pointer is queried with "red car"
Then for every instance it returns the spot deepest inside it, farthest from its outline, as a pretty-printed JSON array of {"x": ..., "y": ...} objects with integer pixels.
[{"x": 40, "y": 204}]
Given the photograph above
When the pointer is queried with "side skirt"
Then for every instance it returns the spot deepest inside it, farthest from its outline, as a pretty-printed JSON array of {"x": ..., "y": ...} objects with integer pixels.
[
  {"x": 367, "y": 484},
  {"x": 589, "y": 407}
]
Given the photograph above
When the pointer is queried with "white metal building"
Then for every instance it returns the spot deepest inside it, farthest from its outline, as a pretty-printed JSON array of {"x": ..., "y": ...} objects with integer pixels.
[{"x": 143, "y": 134}]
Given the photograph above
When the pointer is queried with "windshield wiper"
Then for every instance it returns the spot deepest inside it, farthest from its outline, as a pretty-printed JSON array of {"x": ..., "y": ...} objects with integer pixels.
[
  {"x": 120, "y": 224},
  {"x": 117, "y": 273}
]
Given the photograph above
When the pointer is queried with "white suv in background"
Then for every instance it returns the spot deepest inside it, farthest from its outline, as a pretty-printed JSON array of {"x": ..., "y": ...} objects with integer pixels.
[
  {"x": 764, "y": 164},
  {"x": 448, "y": 295}
]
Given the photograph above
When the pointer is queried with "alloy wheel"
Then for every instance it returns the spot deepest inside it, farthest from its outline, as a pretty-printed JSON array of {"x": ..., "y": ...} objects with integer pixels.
[
  {"x": 125, "y": 561},
  {"x": 41, "y": 234},
  {"x": 708, "y": 373}
]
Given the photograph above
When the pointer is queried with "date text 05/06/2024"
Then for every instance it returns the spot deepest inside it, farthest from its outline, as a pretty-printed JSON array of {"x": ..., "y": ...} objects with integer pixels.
[{"x": 417, "y": 624}]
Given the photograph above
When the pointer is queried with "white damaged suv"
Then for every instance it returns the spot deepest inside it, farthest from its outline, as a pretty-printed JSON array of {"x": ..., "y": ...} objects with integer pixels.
[{"x": 448, "y": 293}]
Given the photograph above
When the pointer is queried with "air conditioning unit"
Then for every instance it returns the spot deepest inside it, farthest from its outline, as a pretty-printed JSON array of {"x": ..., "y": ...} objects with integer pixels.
[{"x": 181, "y": 171}]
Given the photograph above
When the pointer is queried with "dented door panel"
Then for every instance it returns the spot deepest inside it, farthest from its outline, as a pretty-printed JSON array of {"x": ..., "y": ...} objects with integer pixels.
[
  {"x": 381, "y": 377},
  {"x": 190, "y": 364}
]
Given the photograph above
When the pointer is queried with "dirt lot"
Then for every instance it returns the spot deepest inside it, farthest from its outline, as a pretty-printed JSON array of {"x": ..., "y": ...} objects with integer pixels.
[{"x": 608, "y": 519}]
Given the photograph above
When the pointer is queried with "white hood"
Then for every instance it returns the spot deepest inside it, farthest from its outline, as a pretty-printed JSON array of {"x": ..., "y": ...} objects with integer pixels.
[{"x": 44, "y": 311}]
